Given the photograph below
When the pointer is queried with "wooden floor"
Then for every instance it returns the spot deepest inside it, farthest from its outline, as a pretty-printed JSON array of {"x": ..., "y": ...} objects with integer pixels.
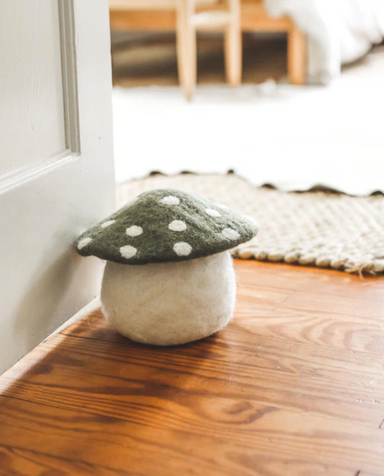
[{"x": 294, "y": 386}]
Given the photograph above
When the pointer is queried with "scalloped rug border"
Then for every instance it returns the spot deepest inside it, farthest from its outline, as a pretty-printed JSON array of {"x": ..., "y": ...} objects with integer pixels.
[{"x": 317, "y": 228}]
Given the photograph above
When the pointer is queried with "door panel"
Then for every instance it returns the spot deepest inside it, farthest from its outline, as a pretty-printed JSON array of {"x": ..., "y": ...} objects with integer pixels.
[
  {"x": 31, "y": 69},
  {"x": 56, "y": 171}
]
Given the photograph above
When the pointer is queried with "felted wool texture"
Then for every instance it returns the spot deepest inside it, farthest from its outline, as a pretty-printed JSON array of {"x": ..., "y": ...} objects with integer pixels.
[
  {"x": 164, "y": 226},
  {"x": 169, "y": 303}
]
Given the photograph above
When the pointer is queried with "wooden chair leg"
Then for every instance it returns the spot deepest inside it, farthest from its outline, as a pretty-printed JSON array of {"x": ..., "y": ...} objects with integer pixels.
[
  {"x": 180, "y": 46},
  {"x": 297, "y": 57},
  {"x": 186, "y": 47},
  {"x": 233, "y": 45}
]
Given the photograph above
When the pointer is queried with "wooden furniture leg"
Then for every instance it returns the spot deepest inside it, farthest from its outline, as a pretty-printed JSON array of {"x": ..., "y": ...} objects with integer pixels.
[
  {"x": 297, "y": 56},
  {"x": 180, "y": 43},
  {"x": 233, "y": 44},
  {"x": 186, "y": 46}
]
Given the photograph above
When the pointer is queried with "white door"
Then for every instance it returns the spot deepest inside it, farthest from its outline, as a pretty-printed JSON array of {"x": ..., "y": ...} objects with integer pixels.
[{"x": 56, "y": 162}]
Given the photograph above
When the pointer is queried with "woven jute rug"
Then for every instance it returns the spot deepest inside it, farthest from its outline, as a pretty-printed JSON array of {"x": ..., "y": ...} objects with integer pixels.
[{"x": 312, "y": 229}]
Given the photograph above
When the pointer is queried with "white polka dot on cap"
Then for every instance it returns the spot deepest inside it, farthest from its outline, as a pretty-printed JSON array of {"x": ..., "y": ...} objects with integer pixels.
[
  {"x": 182, "y": 248},
  {"x": 128, "y": 251},
  {"x": 84, "y": 242},
  {"x": 107, "y": 223},
  {"x": 212, "y": 213},
  {"x": 251, "y": 219},
  {"x": 134, "y": 230},
  {"x": 230, "y": 234},
  {"x": 177, "y": 225},
  {"x": 170, "y": 200}
]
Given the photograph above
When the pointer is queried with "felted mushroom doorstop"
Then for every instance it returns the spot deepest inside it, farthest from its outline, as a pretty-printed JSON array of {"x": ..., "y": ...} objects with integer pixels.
[{"x": 169, "y": 277}]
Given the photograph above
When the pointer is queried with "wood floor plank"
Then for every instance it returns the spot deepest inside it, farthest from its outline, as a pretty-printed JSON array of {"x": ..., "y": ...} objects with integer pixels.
[
  {"x": 353, "y": 306},
  {"x": 100, "y": 443},
  {"x": 366, "y": 288},
  {"x": 287, "y": 279},
  {"x": 289, "y": 388},
  {"x": 238, "y": 343},
  {"x": 300, "y": 278},
  {"x": 352, "y": 376},
  {"x": 111, "y": 442},
  {"x": 15, "y": 461},
  {"x": 343, "y": 393},
  {"x": 324, "y": 328},
  {"x": 364, "y": 473},
  {"x": 263, "y": 298},
  {"x": 102, "y": 366},
  {"x": 329, "y": 329}
]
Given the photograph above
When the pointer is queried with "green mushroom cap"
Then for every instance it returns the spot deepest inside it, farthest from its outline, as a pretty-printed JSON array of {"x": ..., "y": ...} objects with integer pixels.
[{"x": 166, "y": 225}]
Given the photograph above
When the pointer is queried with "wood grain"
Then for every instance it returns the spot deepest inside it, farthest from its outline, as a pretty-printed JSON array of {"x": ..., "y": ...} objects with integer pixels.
[
  {"x": 291, "y": 387},
  {"x": 160, "y": 16},
  {"x": 297, "y": 56},
  {"x": 324, "y": 328}
]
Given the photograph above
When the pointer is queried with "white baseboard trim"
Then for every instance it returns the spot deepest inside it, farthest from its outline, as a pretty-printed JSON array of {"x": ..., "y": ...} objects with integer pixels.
[{"x": 90, "y": 307}]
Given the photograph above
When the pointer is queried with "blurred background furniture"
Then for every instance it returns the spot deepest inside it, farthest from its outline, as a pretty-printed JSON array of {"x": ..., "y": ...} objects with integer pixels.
[
  {"x": 231, "y": 16},
  {"x": 186, "y": 17},
  {"x": 254, "y": 17}
]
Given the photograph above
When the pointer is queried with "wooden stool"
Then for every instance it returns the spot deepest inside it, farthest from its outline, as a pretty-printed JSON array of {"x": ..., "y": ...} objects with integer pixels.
[
  {"x": 255, "y": 18},
  {"x": 191, "y": 16},
  {"x": 191, "y": 20},
  {"x": 230, "y": 16}
]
